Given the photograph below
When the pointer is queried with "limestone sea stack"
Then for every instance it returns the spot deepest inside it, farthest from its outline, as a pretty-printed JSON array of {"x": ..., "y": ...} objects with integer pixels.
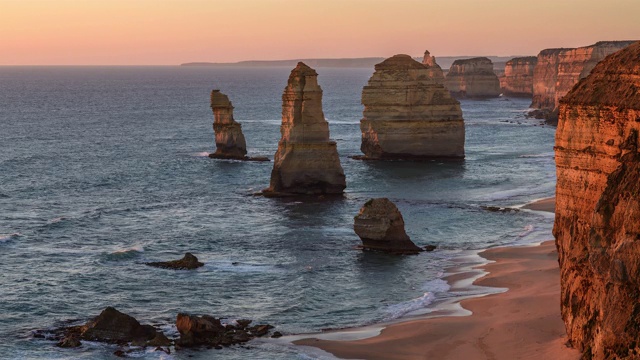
[
  {"x": 597, "y": 224},
  {"x": 517, "y": 80},
  {"x": 558, "y": 70},
  {"x": 230, "y": 143},
  {"x": 409, "y": 114},
  {"x": 473, "y": 78},
  {"x": 380, "y": 226},
  {"x": 307, "y": 161}
]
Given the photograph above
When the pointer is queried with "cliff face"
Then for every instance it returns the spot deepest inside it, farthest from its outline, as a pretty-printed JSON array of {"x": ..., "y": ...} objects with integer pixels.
[
  {"x": 230, "y": 143},
  {"x": 518, "y": 77},
  {"x": 409, "y": 114},
  {"x": 307, "y": 161},
  {"x": 473, "y": 78},
  {"x": 597, "y": 225},
  {"x": 558, "y": 70}
]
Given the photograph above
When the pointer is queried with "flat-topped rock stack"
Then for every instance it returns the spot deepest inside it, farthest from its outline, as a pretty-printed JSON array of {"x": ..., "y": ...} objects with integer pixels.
[
  {"x": 409, "y": 114},
  {"x": 473, "y": 78},
  {"x": 517, "y": 80},
  {"x": 230, "y": 143},
  {"x": 597, "y": 224},
  {"x": 307, "y": 161},
  {"x": 558, "y": 70}
]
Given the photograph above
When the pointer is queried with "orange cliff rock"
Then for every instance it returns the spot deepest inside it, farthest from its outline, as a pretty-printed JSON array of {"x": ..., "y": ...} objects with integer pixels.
[
  {"x": 230, "y": 143},
  {"x": 558, "y": 70},
  {"x": 473, "y": 78},
  {"x": 307, "y": 161},
  {"x": 517, "y": 80},
  {"x": 597, "y": 224},
  {"x": 409, "y": 114}
]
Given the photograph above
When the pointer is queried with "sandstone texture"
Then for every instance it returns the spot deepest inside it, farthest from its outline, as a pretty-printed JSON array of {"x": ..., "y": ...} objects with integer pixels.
[
  {"x": 409, "y": 114},
  {"x": 558, "y": 70},
  {"x": 230, "y": 143},
  {"x": 307, "y": 161},
  {"x": 473, "y": 78},
  {"x": 380, "y": 226},
  {"x": 517, "y": 80},
  {"x": 188, "y": 262},
  {"x": 597, "y": 225}
]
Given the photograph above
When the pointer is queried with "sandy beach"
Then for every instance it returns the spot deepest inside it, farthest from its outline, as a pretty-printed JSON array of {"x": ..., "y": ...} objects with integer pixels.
[
  {"x": 521, "y": 323},
  {"x": 548, "y": 204}
]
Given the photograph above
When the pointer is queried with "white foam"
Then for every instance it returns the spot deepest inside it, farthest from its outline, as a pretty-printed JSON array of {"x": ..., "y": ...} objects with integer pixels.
[
  {"x": 202, "y": 154},
  {"x": 401, "y": 309},
  {"x": 134, "y": 248},
  {"x": 527, "y": 230},
  {"x": 436, "y": 286}
]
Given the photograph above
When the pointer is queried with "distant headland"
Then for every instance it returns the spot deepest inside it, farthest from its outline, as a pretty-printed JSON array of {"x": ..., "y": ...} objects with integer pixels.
[{"x": 366, "y": 62}]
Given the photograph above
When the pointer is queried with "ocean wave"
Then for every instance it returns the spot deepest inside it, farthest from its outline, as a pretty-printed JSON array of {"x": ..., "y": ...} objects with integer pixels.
[
  {"x": 543, "y": 155},
  {"x": 201, "y": 154},
  {"x": 436, "y": 286},
  {"x": 8, "y": 237},
  {"x": 527, "y": 230},
  {"x": 124, "y": 253},
  {"x": 399, "y": 310}
]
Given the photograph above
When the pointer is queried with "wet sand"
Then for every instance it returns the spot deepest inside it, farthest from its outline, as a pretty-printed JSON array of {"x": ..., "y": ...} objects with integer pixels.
[{"x": 548, "y": 204}]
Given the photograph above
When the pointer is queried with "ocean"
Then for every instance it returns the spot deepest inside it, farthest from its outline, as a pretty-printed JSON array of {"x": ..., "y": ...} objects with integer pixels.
[{"x": 104, "y": 168}]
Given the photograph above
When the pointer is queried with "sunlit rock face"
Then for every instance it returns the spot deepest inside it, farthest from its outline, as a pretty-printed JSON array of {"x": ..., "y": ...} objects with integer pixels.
[
  {"x": 558, "y": 70},
  {"x": 517, "y": 80},
  {"x": 597, "y": 224},
  {"x": 409, "y": 114},
  {"x": 230, "y": 143},
  {"x": 307, "y": 161},
  {"x": 473, "y": 78}
]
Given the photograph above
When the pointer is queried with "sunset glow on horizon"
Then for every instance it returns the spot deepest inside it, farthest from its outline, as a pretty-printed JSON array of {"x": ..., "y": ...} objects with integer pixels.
[{"x": 168, "y": 32}]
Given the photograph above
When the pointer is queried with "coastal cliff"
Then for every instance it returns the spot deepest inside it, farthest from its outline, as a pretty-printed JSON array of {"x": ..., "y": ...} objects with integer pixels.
[
  {"x": 230, "y": 142},
  {"x": 409, "y": 114},
  {"x": 597, "y": 224},
  {"x": 517, "y": 80},
  {"x": 307, "y": 161},
  {"x": 473, "y": 78},
  {"x": 558, "y": 70}
]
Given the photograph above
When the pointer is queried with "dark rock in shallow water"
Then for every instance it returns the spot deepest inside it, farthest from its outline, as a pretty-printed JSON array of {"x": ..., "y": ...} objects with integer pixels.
[
  {"x": 380, "y": 226},
  {"x": 115, "y": 327},
  {"x": 429, "y": 248},
  {"x": 188, "y": 262},
  {"x": 70, "y": 341},
  {"x": 208, "y": 331}
]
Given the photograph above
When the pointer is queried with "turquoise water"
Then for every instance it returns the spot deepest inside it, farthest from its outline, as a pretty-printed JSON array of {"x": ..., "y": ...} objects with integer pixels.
[{"x": 105, "y": 168}]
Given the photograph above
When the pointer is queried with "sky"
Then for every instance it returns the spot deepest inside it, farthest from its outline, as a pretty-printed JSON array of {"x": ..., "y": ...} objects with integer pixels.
[{"x": 168, "y": 32}]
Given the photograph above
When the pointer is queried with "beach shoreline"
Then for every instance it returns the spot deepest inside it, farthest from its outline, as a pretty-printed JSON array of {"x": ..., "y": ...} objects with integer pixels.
[{"x": 522, "y": 322}]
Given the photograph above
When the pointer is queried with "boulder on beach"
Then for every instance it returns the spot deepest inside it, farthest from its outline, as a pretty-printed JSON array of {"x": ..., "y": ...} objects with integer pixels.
[
  {"x": 380, "y": 226},
  {"x": 188, "y": 262}
]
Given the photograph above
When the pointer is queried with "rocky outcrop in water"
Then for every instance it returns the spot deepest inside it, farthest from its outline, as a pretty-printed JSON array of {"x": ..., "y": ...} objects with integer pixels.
[
  {"x": 473, "y": 78},
  {"x": 307, "y": 161},
  {"x": 597, "y": 224},
  {"x": 517, "y": 80},
  {"x": 558, "y": 70},
  {"x": 230, "y": 143},
  {"x": 380, "y": 226},
  {"x": 409, "y": 114},
  {"x": 188, "y": 262},
  {"x": 209, "y": 331}
]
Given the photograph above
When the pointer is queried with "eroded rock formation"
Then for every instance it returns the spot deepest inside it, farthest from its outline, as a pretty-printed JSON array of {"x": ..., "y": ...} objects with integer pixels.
[
  {"x": 597, "y": 225},
  {"x": 473, "y": 78},
  {"x": 558, "y": 70},
  {"x": 230, "y": 143},
  {"x": 409, "y": 114},
  {"x": 380, "y": 226},
  {"x": 307, "y": 161},
  {"x": 517, "y": 80},
  {"x": 210, "y": 331}
]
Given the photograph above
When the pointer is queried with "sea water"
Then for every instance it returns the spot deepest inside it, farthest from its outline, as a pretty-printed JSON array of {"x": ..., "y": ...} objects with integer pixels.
[{"x": 104, "y": 168}]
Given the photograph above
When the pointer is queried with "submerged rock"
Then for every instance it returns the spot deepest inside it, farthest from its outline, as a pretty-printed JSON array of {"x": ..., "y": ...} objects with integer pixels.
[
  {"x": 188, "y": 262},
  {"x": 473, "y": 78},
  {"x": 307, "y": 161},
  {"x": 597, "y": 221},
  {"x": 380, "y": 226},
  {"x": 409, "y": 114}
]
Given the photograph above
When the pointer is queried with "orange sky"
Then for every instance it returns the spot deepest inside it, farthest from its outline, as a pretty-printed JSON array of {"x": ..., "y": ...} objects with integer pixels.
[{"x": 130, "y": 32}]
